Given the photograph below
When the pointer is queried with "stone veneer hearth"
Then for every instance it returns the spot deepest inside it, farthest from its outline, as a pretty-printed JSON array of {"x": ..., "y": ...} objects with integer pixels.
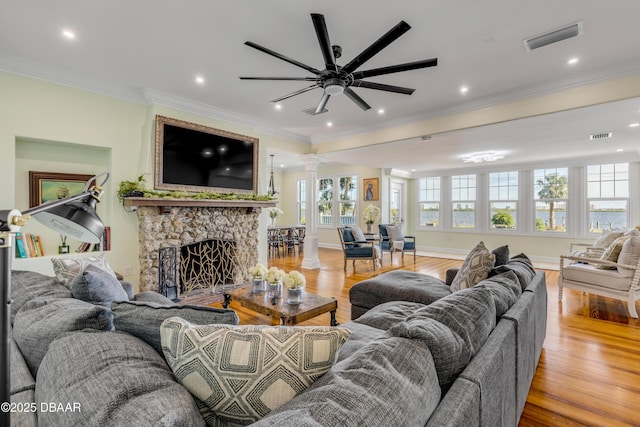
[{"x": 178, "y": 226}]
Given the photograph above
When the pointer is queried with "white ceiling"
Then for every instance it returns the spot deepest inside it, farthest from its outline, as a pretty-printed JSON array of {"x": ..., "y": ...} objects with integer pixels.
[{"x": 156, "y": 48}]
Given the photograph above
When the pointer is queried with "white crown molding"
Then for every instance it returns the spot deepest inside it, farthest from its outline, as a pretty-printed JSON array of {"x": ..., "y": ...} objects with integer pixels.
[
  {"x": 602, "y": 74},
  {"x": 138, "y": 95}
]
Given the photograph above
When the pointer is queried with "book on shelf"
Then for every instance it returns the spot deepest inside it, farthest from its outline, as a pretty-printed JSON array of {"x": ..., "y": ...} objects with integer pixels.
[
  {"x": 103, "y": 245},
  {"x": 20, "y": 251},
  {"x": 28, "y": 245}
]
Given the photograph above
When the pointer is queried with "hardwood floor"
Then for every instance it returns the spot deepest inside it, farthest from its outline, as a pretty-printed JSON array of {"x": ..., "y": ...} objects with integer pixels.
[{"x": 589, "y": 371}]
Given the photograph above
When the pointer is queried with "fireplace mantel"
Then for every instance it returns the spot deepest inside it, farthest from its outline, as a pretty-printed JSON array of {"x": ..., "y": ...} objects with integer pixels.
[{"x": 205, "y": 203}]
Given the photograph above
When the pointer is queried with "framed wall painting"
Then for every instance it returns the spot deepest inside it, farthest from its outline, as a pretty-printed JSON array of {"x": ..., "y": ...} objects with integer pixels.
[
  {"x": 47, "y": 186},
  {"x": 370, "y": 189}
]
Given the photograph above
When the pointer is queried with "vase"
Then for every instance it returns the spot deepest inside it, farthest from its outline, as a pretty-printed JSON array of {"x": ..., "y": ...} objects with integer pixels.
[
  {"x": 273, "y": 221},
  {"x": 275, "y": 289},
  {"x": 369, "y": 228},
  {"x": 258, "y": 285},
  {"x": 294, "y": 296}
]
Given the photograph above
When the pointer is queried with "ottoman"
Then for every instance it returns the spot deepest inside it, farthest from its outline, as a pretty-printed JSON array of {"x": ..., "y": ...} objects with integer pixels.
[{"x": 397, "y": 285}]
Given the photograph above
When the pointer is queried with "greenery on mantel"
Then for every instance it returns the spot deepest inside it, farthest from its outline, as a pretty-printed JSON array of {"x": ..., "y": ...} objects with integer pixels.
[{"x": 137, "y": 189}]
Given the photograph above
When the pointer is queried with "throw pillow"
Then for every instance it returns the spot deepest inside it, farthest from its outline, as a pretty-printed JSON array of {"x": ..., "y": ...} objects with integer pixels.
[
  {"x": 611, "y": 253},
  {"x": 66, "y": 269},
  {"x": 629, "y": 255},
  {"x": 502, "y": 255},
  {"x": 475, "y": 268},
  {"x": 96, "y": 286},
  {"x": 143, "y": 319},
  {"x": 243, "y": 373},
  {"x": 397, "y": 236},
  {"x": 607, "y": 238},
  {"x": 358, "y": 234}
]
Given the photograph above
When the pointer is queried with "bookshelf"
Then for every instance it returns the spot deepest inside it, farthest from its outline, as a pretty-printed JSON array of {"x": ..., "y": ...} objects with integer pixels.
[{"x": 43, "y": 265}]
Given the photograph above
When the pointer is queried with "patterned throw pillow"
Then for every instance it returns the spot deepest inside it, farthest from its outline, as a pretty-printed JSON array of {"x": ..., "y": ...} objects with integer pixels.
[
  {"x": 611, "y": 253},
  {"x": 475, "y": 268},
  {"x": 66, "y": 269},
  {"x": 244, "y": 372}
]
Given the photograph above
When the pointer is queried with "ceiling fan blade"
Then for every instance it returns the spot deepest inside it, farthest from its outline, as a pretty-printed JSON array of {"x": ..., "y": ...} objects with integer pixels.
[
  {"x": 384, "y": 41},
  {"x": 396, "y": 68},
  {"x": 323, "y": 103},
  {"x": 323, "y": 39},
  {"x": 300, "y": 79},
  {"x": 297, "y": 92},
  {"x": 355, "y": 98},
  {"x": 280, "y": 56},
  {"x": 381, "y": 86}
]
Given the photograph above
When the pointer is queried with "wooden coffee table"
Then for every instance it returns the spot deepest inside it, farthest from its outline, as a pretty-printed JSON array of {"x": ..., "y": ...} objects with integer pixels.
[{"x": 282, "y": 313}]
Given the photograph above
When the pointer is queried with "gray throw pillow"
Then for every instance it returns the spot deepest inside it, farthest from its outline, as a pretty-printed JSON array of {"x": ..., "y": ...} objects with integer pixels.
[
  {"x": 115, "y": 379},
  {"x": 454, "y": 328},
  {"x": 42, "y": 320},
  {"x": 96, "y": 286},
  {"x": 143, "y": 319},
  {"x": 502, "y": 255}
]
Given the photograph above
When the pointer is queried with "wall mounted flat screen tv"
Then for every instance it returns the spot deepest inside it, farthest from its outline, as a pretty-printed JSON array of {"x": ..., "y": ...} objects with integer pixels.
[{"x": 192, "y": 157}]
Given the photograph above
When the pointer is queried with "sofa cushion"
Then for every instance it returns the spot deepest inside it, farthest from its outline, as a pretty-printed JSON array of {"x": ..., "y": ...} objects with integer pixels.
[
  {"x": 21, "y": 378},
  {"x": 388, "y": 314},
  {"x": 629, "y": 255},
  {"x": 42, "y": 320},
  {"x": 522, "y": 266},
  {"x": 475, "y": 267},
  {"x": 243, "y": 373},
  {"x": 454, "y": 328},
  {"x": 151, "y": 296},
  {"x": 505, "y": 290},
  {"x": 66, "y": 269},
  {"x": 361, "y": 335},
  {"x": 589, "y": 274},
  {"x": 116, "y": 380},
  {"x": 24, "y": 418},
  {"x": 143, "y": 319},
  {"x": 94, "y": 285},
  {"x": 28, "y": 285},
  {"x": 389, "y": 382}
]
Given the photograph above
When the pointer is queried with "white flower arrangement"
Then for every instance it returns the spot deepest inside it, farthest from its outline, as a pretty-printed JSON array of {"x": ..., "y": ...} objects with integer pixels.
[
  {"x": 371, "y": 214},
  {"x": 275, "y": 212},
  {"x": 295, "y": 280},
  {"x": 274, "y": 274},
  {"x": 258, "y": 271}
]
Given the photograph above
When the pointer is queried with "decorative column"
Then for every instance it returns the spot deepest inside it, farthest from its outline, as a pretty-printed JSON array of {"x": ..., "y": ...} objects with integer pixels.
[{"x": 310, "y": 260}]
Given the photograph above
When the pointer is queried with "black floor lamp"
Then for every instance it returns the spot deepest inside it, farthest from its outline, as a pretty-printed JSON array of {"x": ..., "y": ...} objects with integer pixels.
[{"x": 73, "y": 216}]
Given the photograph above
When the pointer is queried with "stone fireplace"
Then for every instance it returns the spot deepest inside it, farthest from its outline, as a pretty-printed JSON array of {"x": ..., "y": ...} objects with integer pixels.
[{"x": 162, "y": 225}]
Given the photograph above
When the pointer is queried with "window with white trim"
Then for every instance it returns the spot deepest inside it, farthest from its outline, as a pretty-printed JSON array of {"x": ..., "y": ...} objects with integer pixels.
[
  {"x": 463, "y": 201},
  {"x": 337, "y": 206},
  {"x": 302, "y": 202},
  {"x": 608, "y": 196},
  {"x": 503, "y": 200},
  {"x": 429, "y": 197},
  {"x": 551, "y": 195},
  {"x": 348, "y": 200},
  {"x": 325, "y": 201}
]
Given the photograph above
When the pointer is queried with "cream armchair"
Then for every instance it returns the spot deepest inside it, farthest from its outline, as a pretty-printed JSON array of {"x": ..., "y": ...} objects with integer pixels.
[{"x": 621, "y": 281}]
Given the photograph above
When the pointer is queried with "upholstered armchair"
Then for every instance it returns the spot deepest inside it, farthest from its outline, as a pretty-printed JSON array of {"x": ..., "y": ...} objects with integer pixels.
[
  {"x": 356, "y": 249},
  {"x": 613, "y": 275},
  {"x": 390, "y": 233}
]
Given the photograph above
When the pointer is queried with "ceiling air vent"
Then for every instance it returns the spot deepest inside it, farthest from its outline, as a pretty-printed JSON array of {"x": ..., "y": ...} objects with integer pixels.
[
  {"x": 555, "y": 36},
  {"x": 602, "y": 135}
]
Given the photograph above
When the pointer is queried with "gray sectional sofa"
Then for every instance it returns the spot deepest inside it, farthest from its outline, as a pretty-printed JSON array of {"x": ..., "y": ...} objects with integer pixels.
[{"x": 466, "y": 359}]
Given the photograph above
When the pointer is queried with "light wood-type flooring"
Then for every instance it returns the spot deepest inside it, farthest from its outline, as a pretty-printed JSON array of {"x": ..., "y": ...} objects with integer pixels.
[{"x": 589, "y": 371}]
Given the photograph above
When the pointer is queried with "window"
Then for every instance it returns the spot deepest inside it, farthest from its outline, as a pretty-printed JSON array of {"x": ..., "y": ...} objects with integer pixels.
[
  {"x": 348, "y": 200},
  {"x": 345, "y": 200},
  {"x": 607, "y": 196},
  {"x": 302, "y": 202},
  {"x": 325, "y": 197},
  {"x": 503, "y": 197},
  {"x": 463, "y": 197},
  {"x": 429, "y": 196},
  {"x": 551, "y": 192}
]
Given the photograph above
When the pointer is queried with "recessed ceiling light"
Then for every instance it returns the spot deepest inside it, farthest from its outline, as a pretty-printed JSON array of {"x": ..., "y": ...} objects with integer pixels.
[
  {"x": 200, "y": 80},
  {"x": 278, "y": 107},
  {"x": 464, "y": 89},
  {"x": 634, "y": 125},
  {"x": 69, "y": 34},
  {"x": 620, "y": 150},
  {"x": 329, "y": 124},
  {"x": 381, "y": 111},
  {"x": 281, "y": 165},
  {"x": 487, "y": 156},
  {"x": 572, "y": 61}
]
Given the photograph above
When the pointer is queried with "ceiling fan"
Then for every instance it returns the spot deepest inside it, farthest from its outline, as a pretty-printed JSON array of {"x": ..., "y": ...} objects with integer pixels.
[{"x": 335, "y": 79}]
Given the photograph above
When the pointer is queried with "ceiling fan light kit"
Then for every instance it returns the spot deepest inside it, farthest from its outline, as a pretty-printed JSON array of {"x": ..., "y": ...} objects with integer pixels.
[{"x": 336, "y": 79}]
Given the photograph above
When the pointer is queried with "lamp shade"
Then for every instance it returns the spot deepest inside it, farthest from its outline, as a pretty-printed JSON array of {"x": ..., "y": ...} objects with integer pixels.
[{"x": 76, "y": 219}]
